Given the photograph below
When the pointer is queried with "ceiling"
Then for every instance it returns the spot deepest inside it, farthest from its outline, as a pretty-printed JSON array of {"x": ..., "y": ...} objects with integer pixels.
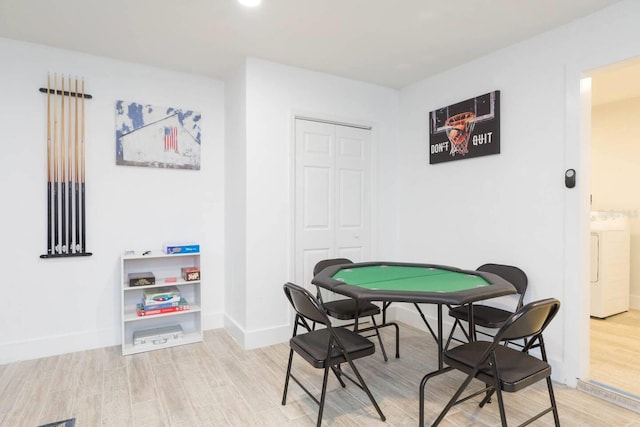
[{"x": 391, "y": 43}]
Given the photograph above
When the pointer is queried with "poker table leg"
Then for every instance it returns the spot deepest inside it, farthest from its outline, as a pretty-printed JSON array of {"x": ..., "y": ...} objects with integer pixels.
[
  {"x": 472, "y": 324},
  {"x": 440, "y": 345}
]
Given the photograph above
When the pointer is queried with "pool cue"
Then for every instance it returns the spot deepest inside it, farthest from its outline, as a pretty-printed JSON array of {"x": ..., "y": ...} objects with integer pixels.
[
  {"x": 69, "y": 180},
  {"x": 63, "y": 175},
  {"x": 76, "y": 247},
  {"x": 55, "y": 167},
  {"x": 49, "y": 245},
  {"x": 82, "y": 178},
  {"x": 69, "y": 163}
]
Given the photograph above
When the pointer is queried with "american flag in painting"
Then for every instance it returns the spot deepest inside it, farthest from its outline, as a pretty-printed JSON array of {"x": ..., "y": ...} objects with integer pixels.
[{"x": 171, "y": 138}]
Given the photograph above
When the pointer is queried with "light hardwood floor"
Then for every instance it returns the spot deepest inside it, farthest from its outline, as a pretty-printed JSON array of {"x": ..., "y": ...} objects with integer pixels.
[
  {"x": 216, "y": 383},
  {"x": 615, "y": 352}
]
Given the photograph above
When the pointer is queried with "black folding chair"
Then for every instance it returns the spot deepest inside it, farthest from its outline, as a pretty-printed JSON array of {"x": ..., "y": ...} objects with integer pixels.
[
  {"x": 350, "y": 309},
  {"x": 324, "y": 348},
  {"x": 488, "y": 316},
  {"x": 502, "y": 368}
]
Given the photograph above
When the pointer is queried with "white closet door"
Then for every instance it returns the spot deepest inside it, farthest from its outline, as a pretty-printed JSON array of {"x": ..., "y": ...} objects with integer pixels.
[{"x": 332, "y": 194}]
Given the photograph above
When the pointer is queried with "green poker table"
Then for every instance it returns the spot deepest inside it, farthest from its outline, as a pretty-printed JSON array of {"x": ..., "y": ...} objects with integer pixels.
[{"x": 414, "y": 283}]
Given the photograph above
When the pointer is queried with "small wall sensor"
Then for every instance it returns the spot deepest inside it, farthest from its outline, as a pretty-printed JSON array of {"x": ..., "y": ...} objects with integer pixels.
[{"x": 570, "y": 178}]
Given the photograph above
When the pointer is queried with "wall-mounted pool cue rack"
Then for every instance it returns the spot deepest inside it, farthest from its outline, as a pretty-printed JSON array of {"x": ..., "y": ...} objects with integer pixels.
[{"x": 66, "y": 197}]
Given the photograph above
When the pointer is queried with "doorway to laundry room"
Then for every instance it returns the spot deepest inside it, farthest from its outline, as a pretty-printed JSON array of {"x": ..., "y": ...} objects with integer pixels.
[{"x": 615, "y": 229}]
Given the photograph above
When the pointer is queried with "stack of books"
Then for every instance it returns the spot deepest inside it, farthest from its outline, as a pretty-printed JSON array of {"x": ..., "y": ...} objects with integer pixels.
[{"x": 161, "y": 300}]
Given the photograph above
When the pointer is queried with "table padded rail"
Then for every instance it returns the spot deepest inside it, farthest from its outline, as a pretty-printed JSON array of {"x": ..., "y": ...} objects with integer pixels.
[{"x": 410, "y": 282}]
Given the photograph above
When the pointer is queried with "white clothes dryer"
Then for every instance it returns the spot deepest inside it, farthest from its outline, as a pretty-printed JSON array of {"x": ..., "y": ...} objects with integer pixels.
[{"x": 610, "y": 263}]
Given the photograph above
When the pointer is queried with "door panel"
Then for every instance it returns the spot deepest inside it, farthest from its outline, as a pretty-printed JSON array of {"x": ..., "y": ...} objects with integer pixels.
[
  {"x": 314, "y": 147},
  {"x": 353, "y": 189},
  {"x": 316, "y": 184},
  {"x": 332, "y": 195},
  {"x": 350, "y": 199}
]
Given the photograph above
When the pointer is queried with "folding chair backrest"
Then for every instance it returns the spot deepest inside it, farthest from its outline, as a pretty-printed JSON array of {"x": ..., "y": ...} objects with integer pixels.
[
  {"x": 529, "y": 321},
  {"x": 305, "y": 304},
  {"x": 321, "y": 265},
  {"x": 511, "y": 274}
]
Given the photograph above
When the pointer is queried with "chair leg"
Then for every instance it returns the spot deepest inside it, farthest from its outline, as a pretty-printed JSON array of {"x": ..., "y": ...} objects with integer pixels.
[
  {"x": 503, "y": 414},
  {"x": 384, "y": 325},
  {"x": 338, "y": 373},
  {"x": 324, "y": 394},
  {"x": 377, "y": 331},
  {"x": 456, "y": 324},
  {"x": 453, "y": 400},
  {"x": 423, "y": 384},
  {"x": 366, "y": 389},
  {"x": 453, "y": 330},
  {"x": 556, "y": 417},
  {"x": 286, "y": 381},
  {"x": 487, "y": 397},
  {"x": 498, "y": 390},
  {"x": 395, "y": 325}
]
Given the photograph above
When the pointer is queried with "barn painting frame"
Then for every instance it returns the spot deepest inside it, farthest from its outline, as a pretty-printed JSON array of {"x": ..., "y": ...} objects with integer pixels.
[{"x": 158, "y": 137}]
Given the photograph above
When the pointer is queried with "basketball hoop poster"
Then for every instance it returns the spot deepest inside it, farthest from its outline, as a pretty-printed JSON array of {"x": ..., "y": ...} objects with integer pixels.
[{"x": 467, "y": 129}]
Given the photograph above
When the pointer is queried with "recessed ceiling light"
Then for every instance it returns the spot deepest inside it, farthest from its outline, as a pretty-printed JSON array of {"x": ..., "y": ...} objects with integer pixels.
[{"x": 250, "y": 3}]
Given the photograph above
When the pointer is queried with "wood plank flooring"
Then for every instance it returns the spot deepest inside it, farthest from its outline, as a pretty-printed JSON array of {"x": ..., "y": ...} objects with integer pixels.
[
  {"x": 615, "y": 352},
  {"x": 216, "y": 383}
]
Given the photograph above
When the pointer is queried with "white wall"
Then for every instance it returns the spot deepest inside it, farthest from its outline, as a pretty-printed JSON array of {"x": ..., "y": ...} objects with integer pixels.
[
  {"x": 615, "y": 136},
  {"x": 241, "y": 207},
  {"x": 274, "y": 93},
  {"x": 513, "y": 207},
  {"x": 236, "y": 203},
  {"x": 54, "y": 306},
  {"x": 510, "y": 207}
]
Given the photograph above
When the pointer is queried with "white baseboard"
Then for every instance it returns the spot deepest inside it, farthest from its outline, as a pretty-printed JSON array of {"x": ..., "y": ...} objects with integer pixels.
[
  {"x": 55, "y": 345},
  {"x": 249, "y": 340},
  {"x": 212, "y": 321},
  {"x": 634, "y": 301},
  {"x": 70, "y": 343}
]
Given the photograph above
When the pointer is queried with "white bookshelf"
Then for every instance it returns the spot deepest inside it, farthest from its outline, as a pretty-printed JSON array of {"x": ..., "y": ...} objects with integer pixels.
[{"x": 167, "y": 272}]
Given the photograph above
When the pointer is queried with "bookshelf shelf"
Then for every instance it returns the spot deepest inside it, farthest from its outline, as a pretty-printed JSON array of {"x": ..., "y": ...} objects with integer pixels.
[{"x": 167, "y": 272}]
